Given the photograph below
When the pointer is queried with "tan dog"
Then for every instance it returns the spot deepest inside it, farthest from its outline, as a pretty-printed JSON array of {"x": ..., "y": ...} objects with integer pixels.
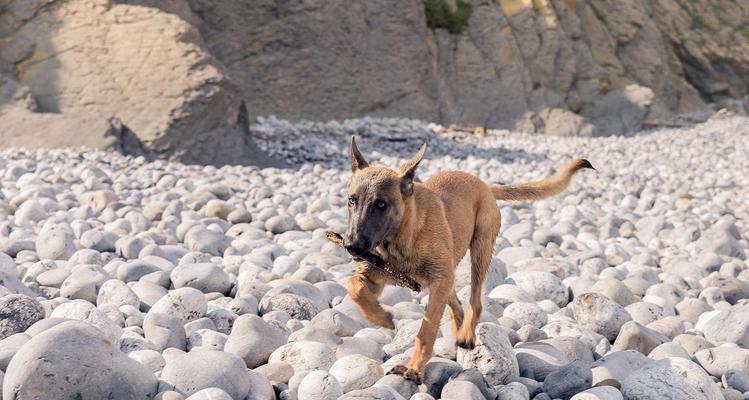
[{"x": 425, "y": 229}]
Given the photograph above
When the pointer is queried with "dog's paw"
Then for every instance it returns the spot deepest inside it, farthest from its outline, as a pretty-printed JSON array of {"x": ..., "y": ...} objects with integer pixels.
[
  {"x": 407, "y": 373},
  {"x": 468, "y": 344}
]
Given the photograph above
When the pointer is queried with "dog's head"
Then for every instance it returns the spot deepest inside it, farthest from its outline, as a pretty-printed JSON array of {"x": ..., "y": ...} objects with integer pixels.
[{"x": 377, "y": 200}]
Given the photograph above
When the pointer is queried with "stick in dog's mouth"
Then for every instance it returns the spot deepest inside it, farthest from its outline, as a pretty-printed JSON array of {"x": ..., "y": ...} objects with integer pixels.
[{"x": 400, "y": 278}]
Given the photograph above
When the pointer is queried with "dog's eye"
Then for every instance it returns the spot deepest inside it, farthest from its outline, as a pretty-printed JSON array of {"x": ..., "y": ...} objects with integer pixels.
[
  {"x": 352, "y": 201},
  {"x": 380, "y": 205}
]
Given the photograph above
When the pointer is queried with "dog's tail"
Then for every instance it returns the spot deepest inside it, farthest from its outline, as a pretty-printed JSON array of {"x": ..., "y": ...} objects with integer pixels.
[{"x": 542, "y": 189}]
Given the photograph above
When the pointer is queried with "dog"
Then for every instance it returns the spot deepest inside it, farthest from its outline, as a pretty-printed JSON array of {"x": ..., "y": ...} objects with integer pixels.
[{"x": 425, "y": 229}]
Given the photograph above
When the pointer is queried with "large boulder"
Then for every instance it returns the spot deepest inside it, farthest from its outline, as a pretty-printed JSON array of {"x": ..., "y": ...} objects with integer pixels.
[
  {"x": 77, "y": 59},
  {"x": 73, "y": 361}
]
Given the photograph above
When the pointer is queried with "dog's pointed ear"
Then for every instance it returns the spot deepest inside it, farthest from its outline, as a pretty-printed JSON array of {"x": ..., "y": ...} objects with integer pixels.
[
  {"x": 357, "y": 160},
  {"x": 408, "y": 171}
]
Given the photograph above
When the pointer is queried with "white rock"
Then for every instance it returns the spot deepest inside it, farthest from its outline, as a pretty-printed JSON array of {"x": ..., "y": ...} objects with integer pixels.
[{"x": 356, "y": 372}]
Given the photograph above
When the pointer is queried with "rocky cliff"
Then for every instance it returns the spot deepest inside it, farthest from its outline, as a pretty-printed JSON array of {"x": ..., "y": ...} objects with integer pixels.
[{"x": 178, "y": 73}]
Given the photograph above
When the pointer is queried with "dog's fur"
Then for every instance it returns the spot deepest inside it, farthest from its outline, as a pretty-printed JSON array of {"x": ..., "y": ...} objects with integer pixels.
[{"x": 425, "y": 229}]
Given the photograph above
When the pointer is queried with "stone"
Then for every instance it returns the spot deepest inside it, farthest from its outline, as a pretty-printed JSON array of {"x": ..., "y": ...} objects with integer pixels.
[
  {"x": 84, "y": 311},
  {"x": 569, "y": 380},
  {"x": 52, "y": 363},
  {"x": 526, "y": 314},
  {"x": 600, "y": 314},
  {"x": 736, "y": 379},
  {"x": 513, "y": 391},
  {"x": 206, "y": 241},
  {"x": 17, "y": 313},
  {"x": 187, "y": 374},
  {"x": 356, "y": 372},
  {"x": 305, "y": 356},
  {"x": 461, "y": 390},
  {"x": 540, "y": 285},
  {"x": 633, "y": 336},
  {"x": 403, "y": 386},
  {"x": 336, "y": 323},
  {"x": 55, "y": 242},
  {"x": 613, "y": 368},
  {"x": 206, "y": 339},
  {"x": 210, "y": 394},
  {"x": 436, "y": 374},
  {"x": 164, "y": 331},
  {"x": 599, "y": 393},
  {"x": 614, "y": 290},
  {"x": 474, "y": 376},
  {"x": 280, "y": 224},
  {"x": 719, "y": 360},
  {"x": 117, "y": 293},
  {"x": 10, "y": 346},
  {"x": 537, "y": 359},
  {"x": 254, "y": 340},
  {"x": 187, "y": 304},
  {"x": 151, "y": 359},
  {"x": 669, "y": 349},
  {"x": 205, "y": 277},
  {"x": 672, "y": 378},
  {"x": 492, "y": 356},
  {"x": 319, "y": 385},
  {"x": 374, "y": 392},
  {"x": 297, "y": 306},
  {"x": 404, "y": 338}
]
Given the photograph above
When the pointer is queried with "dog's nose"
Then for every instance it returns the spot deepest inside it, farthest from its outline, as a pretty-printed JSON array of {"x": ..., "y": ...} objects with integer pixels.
[{"x": 357, "y": 247}]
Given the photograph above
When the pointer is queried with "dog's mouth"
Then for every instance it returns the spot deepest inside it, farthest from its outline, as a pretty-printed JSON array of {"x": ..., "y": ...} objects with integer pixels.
[{"x": 357, "y": 254}]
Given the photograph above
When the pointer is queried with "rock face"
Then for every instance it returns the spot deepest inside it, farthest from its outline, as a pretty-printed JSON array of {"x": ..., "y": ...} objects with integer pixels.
[
  {"x": 554, "y": 67},
  {"x": 71, "y": 360},
  {"x": 515, "y": 61},
  {"x": 132, "y": 78}
]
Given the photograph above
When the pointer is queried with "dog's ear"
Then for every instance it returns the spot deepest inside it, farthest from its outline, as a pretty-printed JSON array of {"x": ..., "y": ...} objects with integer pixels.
[
  {"x": 408, "y": 171},
  {"x": 357, "y": 160}
]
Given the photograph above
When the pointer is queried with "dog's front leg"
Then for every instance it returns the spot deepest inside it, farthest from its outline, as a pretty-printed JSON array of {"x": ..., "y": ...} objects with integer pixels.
[
  {"x": 364, "y": 290},
  {"x": 439, "y": 293}
]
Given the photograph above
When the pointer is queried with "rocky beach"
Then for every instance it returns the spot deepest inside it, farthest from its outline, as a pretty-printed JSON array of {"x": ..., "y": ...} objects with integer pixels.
[{"x": 127, "y": 278}]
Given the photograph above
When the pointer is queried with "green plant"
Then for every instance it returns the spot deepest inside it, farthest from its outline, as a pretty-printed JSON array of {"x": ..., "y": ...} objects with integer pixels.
[
  {"x": 700, "y": 22},
  {"x": 439, "y": 15}
]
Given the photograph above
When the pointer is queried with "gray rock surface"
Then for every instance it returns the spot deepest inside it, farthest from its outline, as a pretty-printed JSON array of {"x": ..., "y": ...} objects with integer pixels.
[
  {"x": 187, "y": 374},
  {"x": 671, "y": 378},
  {"x": 18, "y": 312},
  {"x": 73, "y": 360}
]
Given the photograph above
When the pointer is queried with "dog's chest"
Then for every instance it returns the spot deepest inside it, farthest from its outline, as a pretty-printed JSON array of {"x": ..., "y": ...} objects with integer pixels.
[{"x": 423, "y": 270}]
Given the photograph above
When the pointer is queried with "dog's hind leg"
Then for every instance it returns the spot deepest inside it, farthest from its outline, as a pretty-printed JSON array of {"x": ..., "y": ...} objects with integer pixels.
[
  {"x": 482, "y": 247},
  {"x": 456, "y": 313},
  {"x": 364, "y": 290}
]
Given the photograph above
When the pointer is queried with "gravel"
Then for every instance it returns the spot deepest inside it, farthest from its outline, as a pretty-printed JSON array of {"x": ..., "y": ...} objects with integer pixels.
[{"x": 162, "y": 280}]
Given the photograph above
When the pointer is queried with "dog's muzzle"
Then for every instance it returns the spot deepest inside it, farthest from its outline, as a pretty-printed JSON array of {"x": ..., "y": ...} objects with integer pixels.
[{"x": 357, "y": 247}]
